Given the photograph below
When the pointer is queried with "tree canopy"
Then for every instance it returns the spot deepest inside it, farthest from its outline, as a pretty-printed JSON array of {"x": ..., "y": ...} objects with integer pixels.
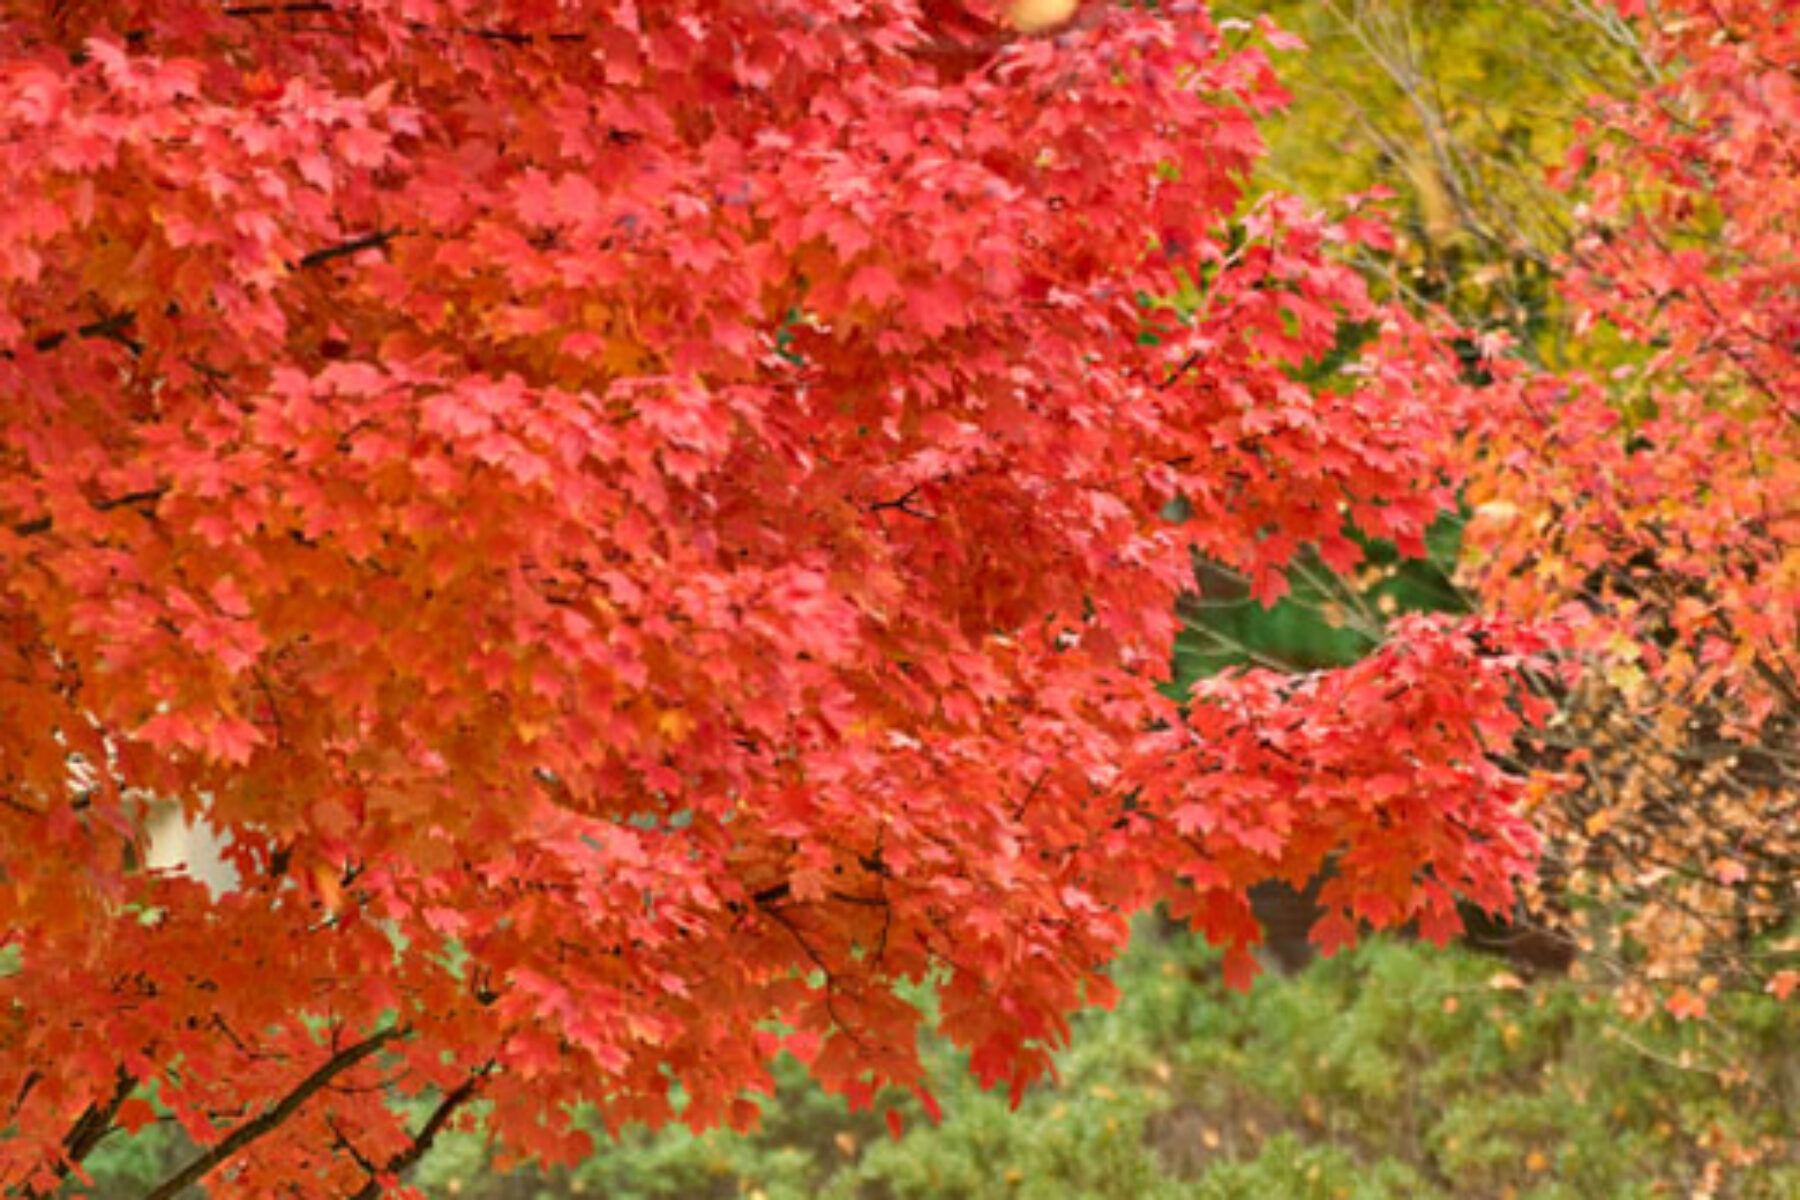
[{"x": 647, "y": 529}]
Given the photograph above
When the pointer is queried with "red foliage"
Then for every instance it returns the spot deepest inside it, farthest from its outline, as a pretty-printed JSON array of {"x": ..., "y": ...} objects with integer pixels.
[
  {"x": 641, "y": 523},
  {"x": 1657, "y": 510}
]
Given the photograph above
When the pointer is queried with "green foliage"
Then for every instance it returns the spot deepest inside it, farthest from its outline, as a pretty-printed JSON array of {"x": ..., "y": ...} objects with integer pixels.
[
  {"x": 1325, "y": 620},
  {"x": 1461, "y": 108},
  {"x": 1289, "y": 1167},
  {"x": 130, "y": 1166},
  {"x": 1393, "y": 1072}
]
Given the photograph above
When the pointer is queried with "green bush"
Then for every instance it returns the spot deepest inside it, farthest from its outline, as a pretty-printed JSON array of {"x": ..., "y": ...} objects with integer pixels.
[{"x": 1392, "y": 1072}]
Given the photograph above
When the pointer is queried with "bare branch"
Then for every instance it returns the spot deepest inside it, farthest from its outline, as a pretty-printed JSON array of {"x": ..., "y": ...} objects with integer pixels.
[{"x": 371, "y": 241}]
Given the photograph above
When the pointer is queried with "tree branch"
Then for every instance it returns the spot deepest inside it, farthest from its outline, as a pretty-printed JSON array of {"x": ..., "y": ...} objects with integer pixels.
[
  {"x": 422, "y": 1141},
  {"x": 300, "y": 8},
  {"x": 129, "y": 500},
  {"x": 113, "y": 328},
  {"x": 297, "y": 8},
  {"x": 368, "y": 241},
  {"x": 94, "y": 1123},
  {"x": 275, "y": 1116},
  {"x": 1180, "y": 369},
  {"x": 902, "y": 504}
]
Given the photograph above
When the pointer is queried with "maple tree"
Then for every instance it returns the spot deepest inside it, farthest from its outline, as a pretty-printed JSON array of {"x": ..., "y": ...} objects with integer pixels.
[
  {"x": 642, "y": 529},
  {"x": 1655, "y": 511}
]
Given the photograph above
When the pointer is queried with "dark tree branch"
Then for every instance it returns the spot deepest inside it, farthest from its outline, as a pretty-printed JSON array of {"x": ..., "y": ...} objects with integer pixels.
[
  {"x": 94, "y": 1123},
  {"x": 299, "y": 8},
  {"x": 422, "y": 1141},
  {"x": 782, "y": 892},
  {"x": 112, "y": 328},
  {"x": 302, "y": 8},
  {"x": 903, "y": 504},
  {"x": 1181, "y": 369},
  {"x": 510, "y": 37},
  {"x": 275, "y": 1116},
  {"x": 32, "y": 1078},
  {"x": 128, "y": 500},
  {"x": 349, "y": 1147},
  {"x": 370, "y": 241}
]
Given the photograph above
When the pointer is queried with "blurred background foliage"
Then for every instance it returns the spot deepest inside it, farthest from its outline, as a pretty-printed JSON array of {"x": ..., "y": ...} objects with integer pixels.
[
  {"x": 1391, "y": 1071},
  {"x": 1462, "y": 109}
]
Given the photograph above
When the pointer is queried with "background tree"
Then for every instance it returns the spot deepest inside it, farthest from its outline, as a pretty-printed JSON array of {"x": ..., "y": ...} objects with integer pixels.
[
  {"x": 1657, "y": 511},
  {"x": 1460, "y": 108},
  {"x": 640, "y": 526}
]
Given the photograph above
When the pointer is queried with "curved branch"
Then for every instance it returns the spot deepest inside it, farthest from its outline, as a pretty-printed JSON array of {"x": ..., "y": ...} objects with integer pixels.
[
  {"x": 277, "y": 1115},
  {"x": 422, "y": 1141}
]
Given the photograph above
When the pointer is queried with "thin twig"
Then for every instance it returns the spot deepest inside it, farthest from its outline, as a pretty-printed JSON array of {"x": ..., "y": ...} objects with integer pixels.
[{"x": 422, "y": 1141}]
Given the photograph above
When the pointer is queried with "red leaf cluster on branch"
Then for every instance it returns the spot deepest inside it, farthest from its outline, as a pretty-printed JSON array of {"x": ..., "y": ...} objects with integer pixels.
[{"x": 640, "y": 524}]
